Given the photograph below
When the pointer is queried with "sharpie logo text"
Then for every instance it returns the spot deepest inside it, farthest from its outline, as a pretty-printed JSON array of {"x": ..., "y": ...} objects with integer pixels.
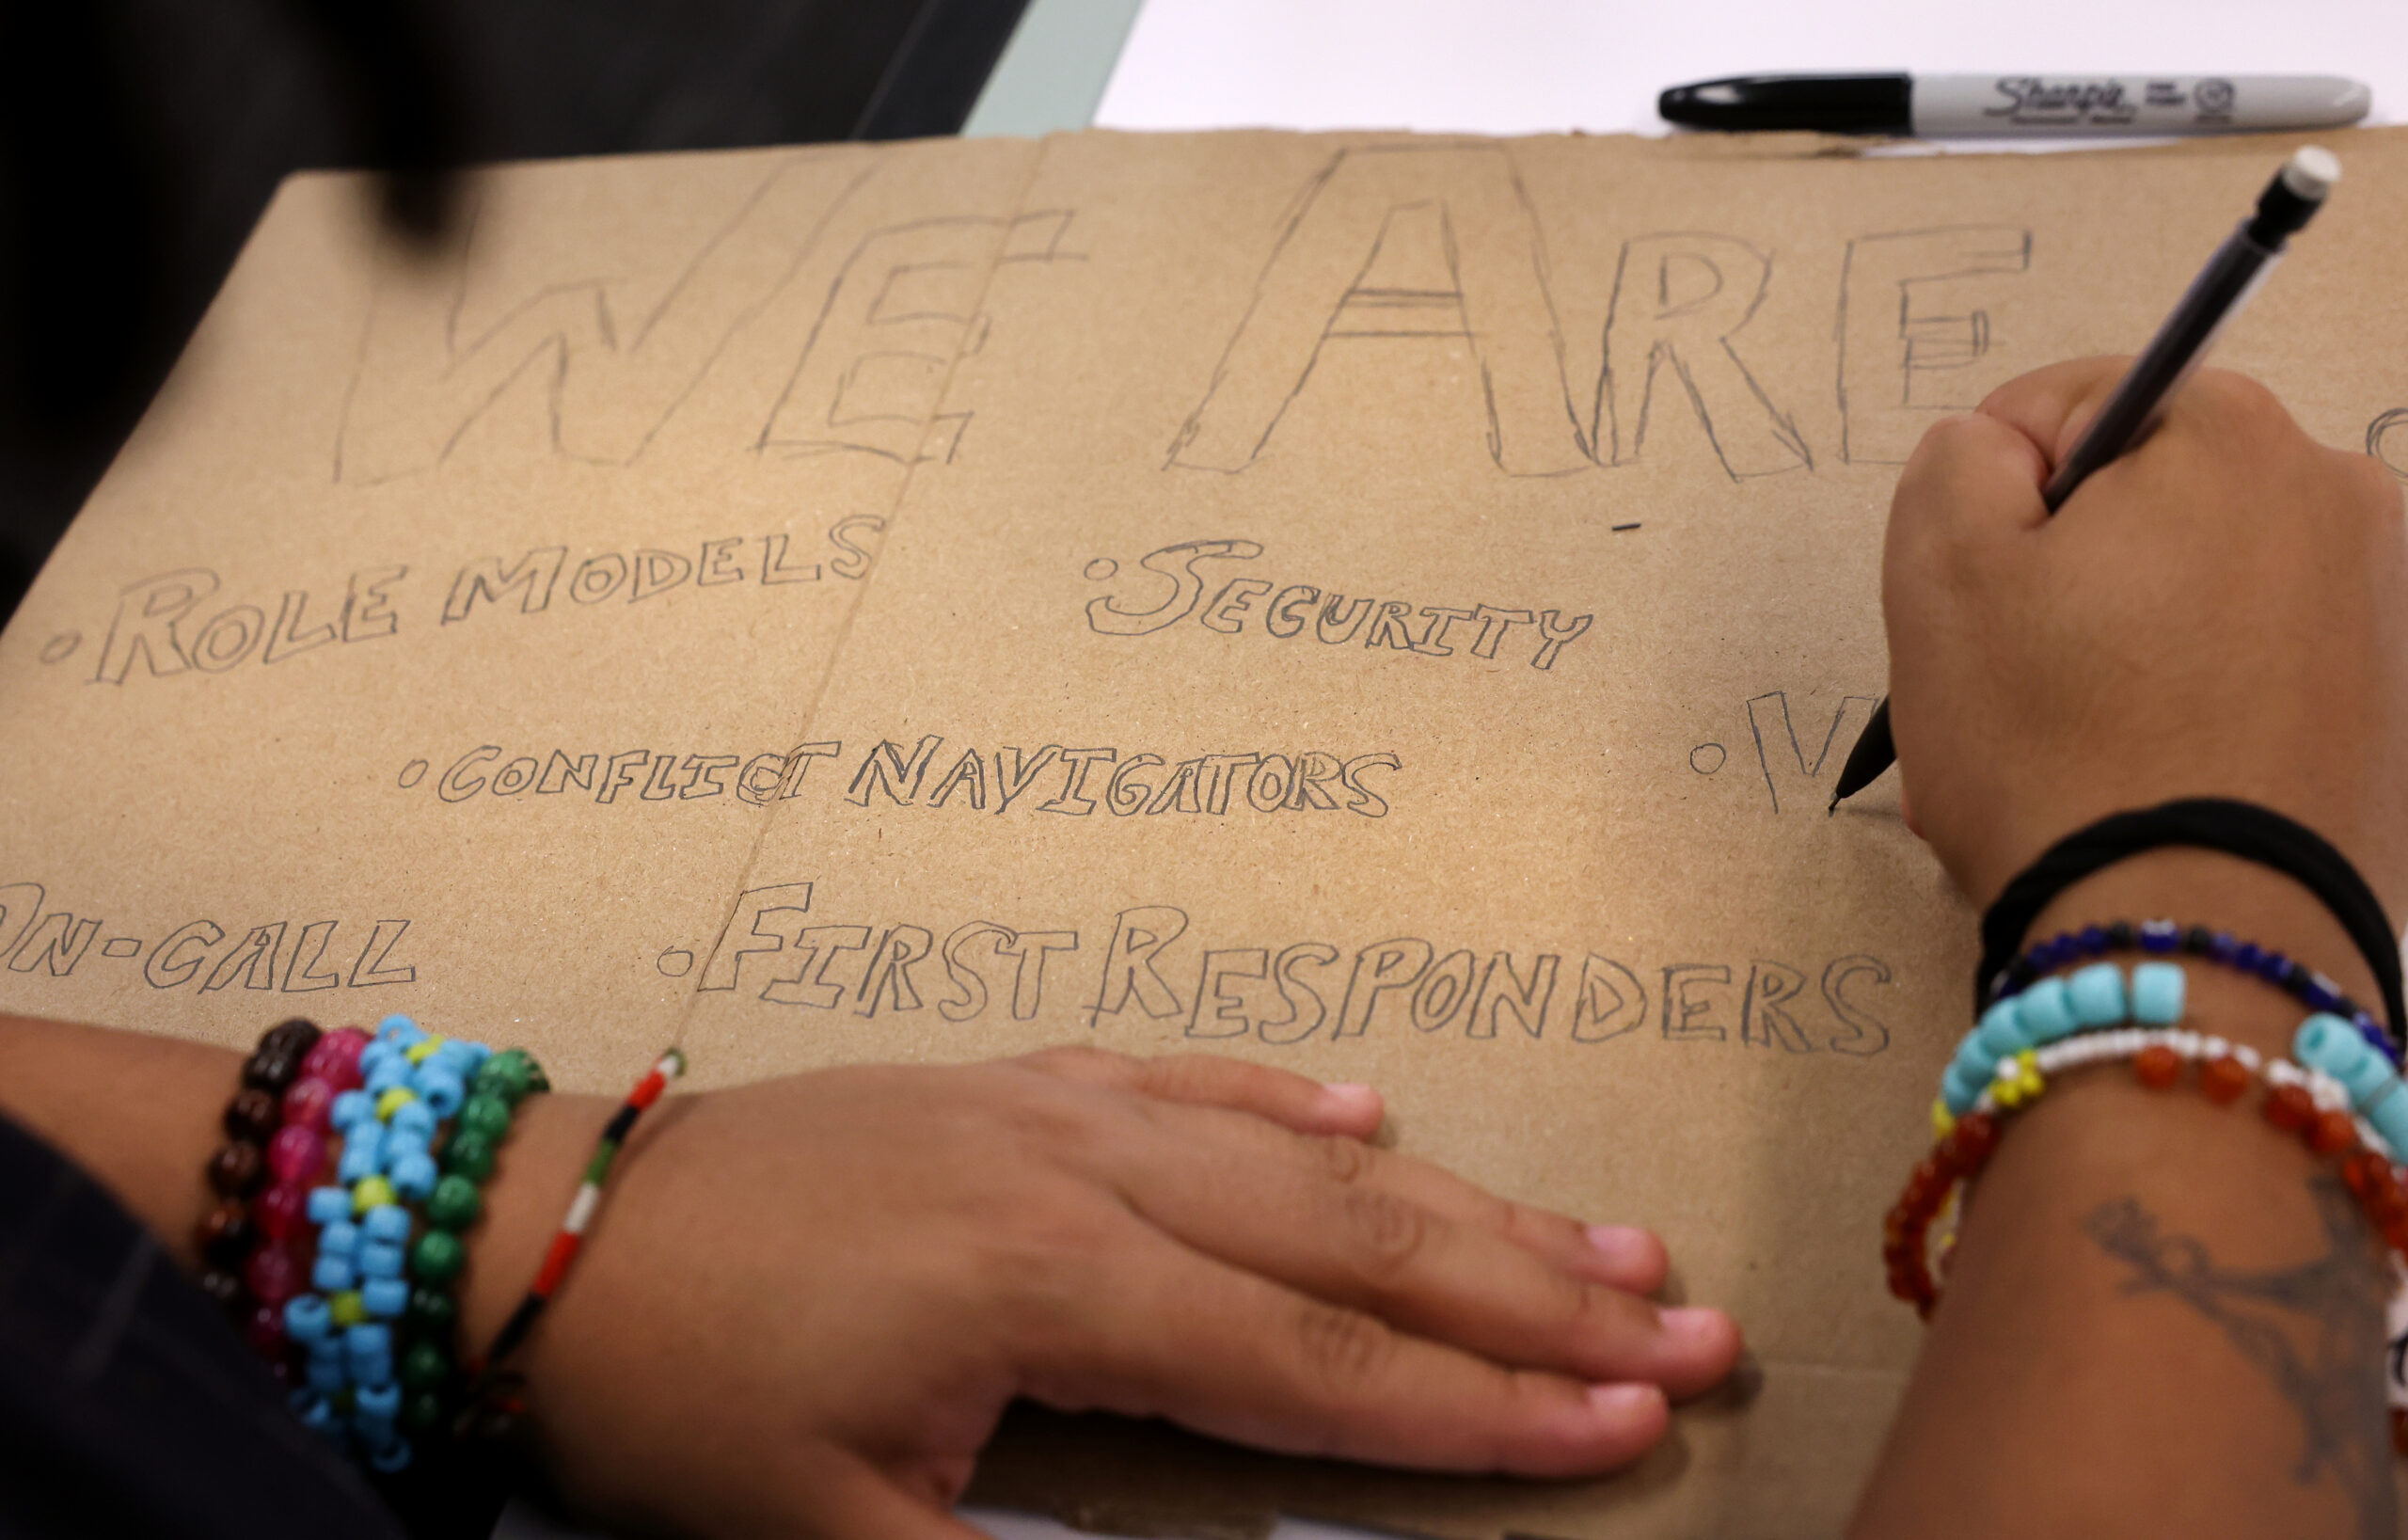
[{"x": 2030, "y": 99}]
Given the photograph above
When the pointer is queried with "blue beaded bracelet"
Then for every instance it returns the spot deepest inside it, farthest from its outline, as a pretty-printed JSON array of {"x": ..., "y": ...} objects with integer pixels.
[
  {"x": 2165, "y": 938},
  {"x": 2091, "y": 1000},
  {"x": 2325, "y": 1042},
  {"x": 414, "y": 1083}
]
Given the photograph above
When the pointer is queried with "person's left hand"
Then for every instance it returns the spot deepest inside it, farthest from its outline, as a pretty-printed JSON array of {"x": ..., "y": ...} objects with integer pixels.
[{"x": 807, "y": 1302}]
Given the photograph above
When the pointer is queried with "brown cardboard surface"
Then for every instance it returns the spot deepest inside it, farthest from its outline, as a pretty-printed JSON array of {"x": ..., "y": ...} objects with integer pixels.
[{"x": 1389, "y": 607}]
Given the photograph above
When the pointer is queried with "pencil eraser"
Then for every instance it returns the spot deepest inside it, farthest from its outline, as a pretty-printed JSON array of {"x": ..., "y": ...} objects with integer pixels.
[{"x": 2311, "y": 172}]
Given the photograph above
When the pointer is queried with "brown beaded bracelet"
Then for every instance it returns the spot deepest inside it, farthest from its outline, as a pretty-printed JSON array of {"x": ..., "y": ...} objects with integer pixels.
[{"x": 227, "y": 1231}]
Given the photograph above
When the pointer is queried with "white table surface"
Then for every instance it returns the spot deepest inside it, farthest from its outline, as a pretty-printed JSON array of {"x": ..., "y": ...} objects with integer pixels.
[
  {"x": 1540, "y": 66},
  {"x": 1543, "y": 66}
]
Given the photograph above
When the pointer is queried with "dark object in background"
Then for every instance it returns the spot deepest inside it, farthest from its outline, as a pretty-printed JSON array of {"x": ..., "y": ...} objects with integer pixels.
[
  {"x": 126, "y": 1406},
  {"x": 140, "y": 139}
]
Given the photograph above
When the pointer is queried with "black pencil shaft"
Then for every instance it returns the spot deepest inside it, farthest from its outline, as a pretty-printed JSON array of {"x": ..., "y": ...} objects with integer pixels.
[{"x": 2171, "y": 355}]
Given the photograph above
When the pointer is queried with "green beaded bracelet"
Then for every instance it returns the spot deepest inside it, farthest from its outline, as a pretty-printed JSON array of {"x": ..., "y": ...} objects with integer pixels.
[{"x": 429, "y": 1358}]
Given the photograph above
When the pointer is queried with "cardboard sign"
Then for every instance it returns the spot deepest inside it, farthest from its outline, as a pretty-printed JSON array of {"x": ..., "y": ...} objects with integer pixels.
[{"x": 1388, "y": 607}]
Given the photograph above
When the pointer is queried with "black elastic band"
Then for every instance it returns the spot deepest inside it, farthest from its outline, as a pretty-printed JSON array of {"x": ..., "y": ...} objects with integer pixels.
[{"x": 2213, "y": 824}]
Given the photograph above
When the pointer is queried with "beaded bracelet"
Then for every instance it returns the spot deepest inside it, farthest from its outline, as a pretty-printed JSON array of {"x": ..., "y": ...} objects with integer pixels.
[
  {"x": 296, "y": 1158},
  {"x": 2302, "y": 1101},
  {"x": 2253, "y": 833},
  {"x": 454, "y": 1205},
  {"x": 2165, "y": 938},
  {"x": 1999, "y": 1063},
  {"x": 2052, "y": 1009},
  {"x": 412, "y": 1082},
  {"x": 227, "y": 1233},
  {"x": 492, "y": 1392},
  {"x": 2337, "y": 1073}
]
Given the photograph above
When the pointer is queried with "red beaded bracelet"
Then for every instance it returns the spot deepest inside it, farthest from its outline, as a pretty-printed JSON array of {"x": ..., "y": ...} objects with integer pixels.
[
  {"x": 297, "y": 1158},
  {"x": 2291, "y": 1101}
]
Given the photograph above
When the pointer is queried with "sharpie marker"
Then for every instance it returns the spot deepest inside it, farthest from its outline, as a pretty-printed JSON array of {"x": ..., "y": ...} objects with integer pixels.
[{"x": 1962, "y": 106}]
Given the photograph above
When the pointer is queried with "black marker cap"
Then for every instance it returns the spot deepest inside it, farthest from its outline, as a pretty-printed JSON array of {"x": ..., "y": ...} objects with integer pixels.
[{"x": 1827, "y": 104}]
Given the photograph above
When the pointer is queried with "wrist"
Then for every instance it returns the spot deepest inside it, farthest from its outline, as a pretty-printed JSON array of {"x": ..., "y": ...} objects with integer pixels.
[{"x": 551, "y": 1140}]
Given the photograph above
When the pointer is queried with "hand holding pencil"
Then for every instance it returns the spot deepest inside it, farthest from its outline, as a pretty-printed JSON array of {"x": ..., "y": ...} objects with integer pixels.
[
  {"x": 2209, "y": 618},
  {"x": 2245, "y": 259}
]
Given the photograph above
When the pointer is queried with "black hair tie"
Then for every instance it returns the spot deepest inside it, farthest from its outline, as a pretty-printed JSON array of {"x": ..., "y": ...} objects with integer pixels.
[{"x": 2213, "y": 823}]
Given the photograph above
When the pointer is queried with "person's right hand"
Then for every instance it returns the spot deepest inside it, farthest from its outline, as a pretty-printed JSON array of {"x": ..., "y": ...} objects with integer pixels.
[
  {"x": 808, "y": 1300},
  {"x": 2223, "y": 611}
]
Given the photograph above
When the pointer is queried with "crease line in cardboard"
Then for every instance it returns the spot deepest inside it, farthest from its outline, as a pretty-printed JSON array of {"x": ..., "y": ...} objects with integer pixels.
[{"x": 843, "y": 644}]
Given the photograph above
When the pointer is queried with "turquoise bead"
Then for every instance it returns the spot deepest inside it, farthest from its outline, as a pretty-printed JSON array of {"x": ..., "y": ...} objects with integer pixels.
[
  {"x": 456, "y": 1055},
  {"x": 2366, "y": 1081},
  {"x": 333, "y": 1274},
  {"x": 393, "y": 1073},
  {"x": 2391, "y": 1119},
  {"x": 2325, "y": 1042},
  {"x": 350, "y": 1108},
  {"x": 440, "y": 1091},
  {"x": 398, "y": 1147},
  {"x": 2097, "y": 994},
  {"x": 414, "y": 1175},
  {"x": 1960, "y": 1089},
  {"x": 2001, "y": 1033},
  {"x": 329, "y": 1204},
  {"x": 380, "y": 1260},
  {"x": 418, "y": 1119},
  {"x": 385, "y": 1297},
  {"x": 394, "y": 1458},
  {"x": 315, "y": 1411},
  {"x": 340, "y": 1239},
  {"x": 385, "y": 1222},
  {"x": 2157, "y": 993},
  {"x": 2045, "y": 1011},
  {"x": 365, "y": 1142},
  {"x": 306, "y": 1317},
  {"x": 1976, "y": 1060},
  {"x": 378, "y": 1403},
  {"x": 327, "y": 1376}
]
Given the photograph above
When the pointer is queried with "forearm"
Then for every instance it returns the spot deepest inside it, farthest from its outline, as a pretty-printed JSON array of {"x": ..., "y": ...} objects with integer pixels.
[
  {"x": 2163, "y": 1315},
  {"x": 141, "y": 1114}
]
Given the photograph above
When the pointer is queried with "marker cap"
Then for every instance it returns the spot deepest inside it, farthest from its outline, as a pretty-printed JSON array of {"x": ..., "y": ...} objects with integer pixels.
[{"x": 1825, "y": 104}]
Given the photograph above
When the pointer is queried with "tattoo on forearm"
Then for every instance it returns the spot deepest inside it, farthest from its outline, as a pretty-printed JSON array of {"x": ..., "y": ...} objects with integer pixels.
[{"x": 2316, "y": 1331}]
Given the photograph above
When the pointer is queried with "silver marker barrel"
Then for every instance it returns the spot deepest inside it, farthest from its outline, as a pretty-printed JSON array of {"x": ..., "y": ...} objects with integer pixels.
[{"x": 2082, "y": 105}]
